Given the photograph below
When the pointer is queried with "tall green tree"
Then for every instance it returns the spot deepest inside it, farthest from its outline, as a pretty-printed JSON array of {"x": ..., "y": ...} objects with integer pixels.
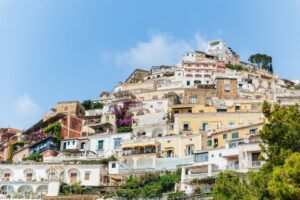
[
  {"x": 285, "y": 182},
  {"x": 279, "y": 178},
  {"x": 262, "y": 61},
  {"x": 281, "y": 133}
]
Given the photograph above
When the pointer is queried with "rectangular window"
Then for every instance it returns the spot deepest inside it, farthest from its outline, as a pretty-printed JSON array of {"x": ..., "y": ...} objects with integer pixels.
[
  {"x": 6, "y": 176},
  {"x": 201, "y": 157},
  {"x": 100, "y": 144},
  {"x": 205, "y": 126},
  {"x": 221, "y": 110},
  {"x": 29, "y": 176},
  {"x": 209, "y": 143},
  {"x": 225, "y": 136},
  {"x": 193, "y": 99},
  {"x": 253, "y": 131},
  {"x": 231, "y": 124},
  {"x": 113, "y": 165},
  {"x": 216, "y": 142},
  {"x": 227, "y": 85},
  {"x": 82, "y": 145},
  {"x": 117, "y": 142},
  {"x": 87, "y": 176},
  {"x": 233, "y": 144},
  {"x": 188, "y": 83},
  {"x": 189, "y": 150},
  {"x": 235, "y": 135},
  {"x": 186, "y": 127}
]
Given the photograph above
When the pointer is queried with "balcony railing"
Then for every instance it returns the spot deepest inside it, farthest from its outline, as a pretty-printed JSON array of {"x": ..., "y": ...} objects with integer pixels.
[
  {"x": 200, "y": 175},
  {"x": 136, "y": 152},
  {"x": 255, "y": 163},
  {"x": 232, "y": 167}
]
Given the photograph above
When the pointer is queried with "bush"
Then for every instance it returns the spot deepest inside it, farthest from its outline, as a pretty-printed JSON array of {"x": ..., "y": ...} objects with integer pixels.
[
  {"x": 152, "y": 191},
  {"x": 54, "y": 129},
  {"x": 34, "y": 157},
  {"x": 128, "y": 193},
  {"x": 176, "y": 195},
  {"x": 150, "y": 185},
  {"x": 124, "y": 129}
]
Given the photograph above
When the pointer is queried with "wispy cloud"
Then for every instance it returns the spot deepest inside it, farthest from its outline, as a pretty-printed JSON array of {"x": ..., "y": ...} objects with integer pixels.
[
  {"x": 161, "y": 48},
  {"x": 25, "y": 107}
]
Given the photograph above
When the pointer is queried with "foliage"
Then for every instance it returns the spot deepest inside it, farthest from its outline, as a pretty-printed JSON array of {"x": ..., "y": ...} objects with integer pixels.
[
  {"x": 124, "y": 129},
  {"x": 281, "y": 134},
  {"x": 297, "y": 87},
  {"x": 128, "y": 193},
  {"x": 236, "y": 67},
  {"x": 54, "y": 130},
  {"x": 279, "y": 178},
  {"x": 74, "y": 189},
  {"x": 89, "y": 105},
  {"x": 262, "y": 61},
  {"x": 150, "y": 185},
  {"x": 123, "y": 116},
  {"x": 232, "y": 185},
  {"x": 168, "y": 181},
  {"x": 176, "y": 195},
  {"x": 34, "y": 157},
  {"x": 14, "y": 147},
  {"x": 285, "y": 182},
  {"x": 152, "y": 190},
  {"x": 10, "y": 153},
  {"x": 34, "y": 136}
]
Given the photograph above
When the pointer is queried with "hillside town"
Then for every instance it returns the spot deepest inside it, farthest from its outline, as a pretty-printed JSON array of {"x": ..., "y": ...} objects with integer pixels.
[{"x": 197, "y": 118}]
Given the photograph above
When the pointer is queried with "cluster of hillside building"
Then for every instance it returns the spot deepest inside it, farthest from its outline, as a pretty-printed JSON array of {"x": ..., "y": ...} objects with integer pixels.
[{"x": 198, "y": 115}]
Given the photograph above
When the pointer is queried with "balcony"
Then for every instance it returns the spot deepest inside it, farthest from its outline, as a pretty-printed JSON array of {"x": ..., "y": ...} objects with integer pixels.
[
  {"x": 200, "y": 175},
  {"x": 254, "y": 164},
  {"x": 139, "y": 151}
]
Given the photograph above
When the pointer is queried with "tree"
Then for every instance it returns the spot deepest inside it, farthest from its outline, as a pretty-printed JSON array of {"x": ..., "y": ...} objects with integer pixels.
[
  {"x": 281, "y": 134},
  {"x": 285, "y": 182},
  {"x": 279, "y": 178},
  {"x": 87, "y": 104},
  {"x": 152, "y": 190},
  {"x": 262, "y": 61},
  {"x": 168, "y": 181},
  {"x": 297, "y": 87},
  {"x": 232, "y": 185}
]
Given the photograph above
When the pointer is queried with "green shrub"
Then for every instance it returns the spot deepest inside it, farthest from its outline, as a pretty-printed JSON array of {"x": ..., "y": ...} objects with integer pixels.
[{"x": 176, "y": 195}]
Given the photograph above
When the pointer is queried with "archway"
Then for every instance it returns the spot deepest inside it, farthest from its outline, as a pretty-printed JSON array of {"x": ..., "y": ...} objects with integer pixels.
[
  {"x": 52, "y": 174},
  {"x": 74, "y": 176},
  {"x": 42, "y": 190},
  {"x": 25, "y": 191},
  {"x": 7, "y": 190}
]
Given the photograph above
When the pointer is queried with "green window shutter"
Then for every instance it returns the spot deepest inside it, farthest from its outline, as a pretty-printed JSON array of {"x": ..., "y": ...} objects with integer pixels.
[
  {"x": 100, "y": 144},
  {"x": 235, "y": 135},
  {"x": 209, "y": 143},
  {"x": 225, "y": 136}
]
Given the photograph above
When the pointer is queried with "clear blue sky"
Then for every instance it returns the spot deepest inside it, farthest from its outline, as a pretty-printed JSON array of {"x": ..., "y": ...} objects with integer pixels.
[{"x": 55, "y": 50}]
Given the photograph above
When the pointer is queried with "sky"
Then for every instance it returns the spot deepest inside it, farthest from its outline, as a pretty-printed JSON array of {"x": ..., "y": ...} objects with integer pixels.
[{"x": 55, "y": 50}]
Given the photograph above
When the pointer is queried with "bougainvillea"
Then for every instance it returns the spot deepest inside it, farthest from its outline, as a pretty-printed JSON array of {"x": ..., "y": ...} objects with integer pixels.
[{"x": 123, "y": 116}]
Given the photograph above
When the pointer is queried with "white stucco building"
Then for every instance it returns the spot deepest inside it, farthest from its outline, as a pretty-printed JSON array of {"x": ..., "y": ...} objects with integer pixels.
[{"x": 34, "y": 180}]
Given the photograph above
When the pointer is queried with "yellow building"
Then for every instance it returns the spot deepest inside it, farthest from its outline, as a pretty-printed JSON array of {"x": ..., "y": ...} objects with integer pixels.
[
  {"x": 193, "y": 123},
  {"x": 217, "y": 139},
  {"x": 147, "y": 150},
  {"x": 180, "y": 145}
]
